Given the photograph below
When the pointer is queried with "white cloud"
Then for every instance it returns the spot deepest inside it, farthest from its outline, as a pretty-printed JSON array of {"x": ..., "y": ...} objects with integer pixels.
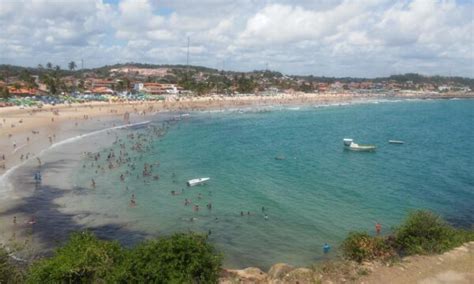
[{"x": 325, "y": 37}]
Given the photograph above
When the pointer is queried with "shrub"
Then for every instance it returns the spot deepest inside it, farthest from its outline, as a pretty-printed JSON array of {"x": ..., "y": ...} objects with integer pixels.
[
  {"x": 83, "y": 259},
  {"x": 8, "y": 272},
  {"x": 360, "y": 246},
  {"x": 182, "y": 258},
  {"x": 424, "y": 232}
]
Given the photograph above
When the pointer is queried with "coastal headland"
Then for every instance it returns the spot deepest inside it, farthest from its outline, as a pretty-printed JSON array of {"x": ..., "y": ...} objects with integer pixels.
[{"x": 454, "y": 266}]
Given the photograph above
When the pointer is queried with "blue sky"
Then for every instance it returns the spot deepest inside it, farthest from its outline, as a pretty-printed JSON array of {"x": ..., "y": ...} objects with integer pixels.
[{"x": 361, "y": 38}]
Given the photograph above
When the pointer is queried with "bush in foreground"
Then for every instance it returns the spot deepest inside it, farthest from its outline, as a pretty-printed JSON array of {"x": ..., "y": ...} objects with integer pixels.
[
  {"x": 8, "y": 272},
  {"x": 181, "y": 258},
  {"x": 361, "y": 246},
  {"x": 424, "y": 232},
  {"x": 83, "y": 259}
]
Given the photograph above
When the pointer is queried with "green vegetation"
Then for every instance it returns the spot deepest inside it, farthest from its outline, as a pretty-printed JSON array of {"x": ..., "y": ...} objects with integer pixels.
[
  {"x": 189, "y": 258},
  {"x": 82, "y": 259},
  {"x": 361, "y": 246},
  {"x": 181, "y": 258},
  {"x": 422, "y": 232},
  {"x": 184, "y": 258},
  {"x": 8, "y": 272},
  {"x": 4, "y": 93}
]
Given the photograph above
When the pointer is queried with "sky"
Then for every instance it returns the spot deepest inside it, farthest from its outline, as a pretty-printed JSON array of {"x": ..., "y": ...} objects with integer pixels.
[{"x": 359, "y": 38}]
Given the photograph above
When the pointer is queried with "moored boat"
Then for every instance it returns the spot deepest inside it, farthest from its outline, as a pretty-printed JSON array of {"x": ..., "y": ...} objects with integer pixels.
[
  {"x": 396, "y": 142},
  {"x": 197, "y": 181},
  {"x": 351, "y": 145}
]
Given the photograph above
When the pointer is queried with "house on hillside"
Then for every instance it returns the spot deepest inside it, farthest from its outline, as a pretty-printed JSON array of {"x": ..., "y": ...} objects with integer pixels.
[
  {"x": 22, "y": 91},
  {"x": 102, "y": 91},
  {"x": 157, "y": 88}
]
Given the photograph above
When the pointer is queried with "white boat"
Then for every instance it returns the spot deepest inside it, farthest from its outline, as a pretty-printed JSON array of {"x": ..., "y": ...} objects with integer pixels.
[
  {"x": 349, "y": 144},
  {"x": 396, "y": 142},
  {"x": 197, "y": 181}
]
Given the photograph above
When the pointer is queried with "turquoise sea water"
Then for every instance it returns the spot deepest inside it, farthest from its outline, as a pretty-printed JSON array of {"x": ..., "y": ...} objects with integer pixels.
[{"x": 316, "y": 192}]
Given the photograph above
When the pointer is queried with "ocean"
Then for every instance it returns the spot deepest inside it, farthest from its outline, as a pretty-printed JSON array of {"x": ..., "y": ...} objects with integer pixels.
[{"x": 286, "y": 163}]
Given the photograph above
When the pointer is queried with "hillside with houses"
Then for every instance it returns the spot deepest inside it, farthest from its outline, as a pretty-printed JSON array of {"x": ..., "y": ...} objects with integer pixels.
[{"x": 163, "y": 81}]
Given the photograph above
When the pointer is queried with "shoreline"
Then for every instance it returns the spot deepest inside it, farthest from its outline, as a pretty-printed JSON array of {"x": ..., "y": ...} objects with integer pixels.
[
  {"x": 16, "y": 123},
  {"x": 97, "y": 113}
]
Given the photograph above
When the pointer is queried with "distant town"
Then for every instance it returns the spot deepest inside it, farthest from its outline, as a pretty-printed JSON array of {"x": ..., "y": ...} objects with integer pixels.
[{"x": 50, "y": 83}]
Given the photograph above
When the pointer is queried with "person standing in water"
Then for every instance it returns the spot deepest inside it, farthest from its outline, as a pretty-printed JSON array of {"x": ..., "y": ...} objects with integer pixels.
[
  {"x": 326, "y": 248},
  {"x": 378, "y": 228}
]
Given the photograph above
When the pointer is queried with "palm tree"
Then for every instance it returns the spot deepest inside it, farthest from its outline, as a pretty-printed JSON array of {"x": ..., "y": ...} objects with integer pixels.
[
  {"x": 72, "y": 65},
  {"x": 49, "y": 65},
  {"x": 40, "y": 66},
  {"x": 57, "y": 67}
]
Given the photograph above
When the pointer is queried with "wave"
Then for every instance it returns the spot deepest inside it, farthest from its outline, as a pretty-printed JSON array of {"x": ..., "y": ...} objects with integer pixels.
[{"x": 4, "y": 178}]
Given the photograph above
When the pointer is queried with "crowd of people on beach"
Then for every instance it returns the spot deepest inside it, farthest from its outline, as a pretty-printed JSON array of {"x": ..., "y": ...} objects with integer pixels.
[{"x": 125, "y": 158}]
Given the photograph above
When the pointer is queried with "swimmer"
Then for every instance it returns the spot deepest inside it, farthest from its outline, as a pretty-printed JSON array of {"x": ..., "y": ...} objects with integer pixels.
[
  {"x": 266, "y": 217},
  {"x": 32, "y": 220},
  {"x": 326, "y": 248}
]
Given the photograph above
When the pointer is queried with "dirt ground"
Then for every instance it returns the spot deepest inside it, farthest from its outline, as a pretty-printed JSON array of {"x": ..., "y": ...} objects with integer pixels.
[{"x": 455, "y": 266}]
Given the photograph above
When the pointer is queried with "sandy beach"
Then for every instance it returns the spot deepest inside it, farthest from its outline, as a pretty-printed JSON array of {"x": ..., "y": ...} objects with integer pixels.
[{"x": 25, "y": 131}]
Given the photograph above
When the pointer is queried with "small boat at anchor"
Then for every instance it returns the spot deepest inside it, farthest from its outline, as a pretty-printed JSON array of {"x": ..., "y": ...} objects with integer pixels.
[
  {"x": 396, "y": 142},
  {"x": 197, "y": 181},
  {"x": 351, "y": 145}
]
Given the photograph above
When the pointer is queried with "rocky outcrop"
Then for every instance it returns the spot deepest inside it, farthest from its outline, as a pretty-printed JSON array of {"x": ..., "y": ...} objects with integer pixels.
[
  {"x": 299, "y": 275},
  {"x": 278, "y": 274},
  {"x": 279, "y": 270},
  {"x": 247, "y": 275}
]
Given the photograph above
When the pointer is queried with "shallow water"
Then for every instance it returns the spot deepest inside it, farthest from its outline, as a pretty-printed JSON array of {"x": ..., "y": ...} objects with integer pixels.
[{"x": 315, "y": 192}]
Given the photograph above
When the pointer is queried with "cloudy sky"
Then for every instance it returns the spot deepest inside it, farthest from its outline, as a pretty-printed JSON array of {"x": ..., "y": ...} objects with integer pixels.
[{"x": 362, "y": 38}]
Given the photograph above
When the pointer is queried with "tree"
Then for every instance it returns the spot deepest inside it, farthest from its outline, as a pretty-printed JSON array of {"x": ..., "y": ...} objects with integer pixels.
[
  {"x": 81, "y": 85},
  {"x": 26, "y": 77},
  {"x": 181, "y": 258},
  {"x": 72, "y": 65},
  {"x": 49, "y": 65},
  {"x": 40, "y": 66},
  {"x": 83, "y": 259},
  {"x": 120, "y": 86},
  {"x": 4, "y": 94},
  {"x": 246, "y": 85},
  {"x": 51, "y": 82},
  {"x": 57, "y": 68}
]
